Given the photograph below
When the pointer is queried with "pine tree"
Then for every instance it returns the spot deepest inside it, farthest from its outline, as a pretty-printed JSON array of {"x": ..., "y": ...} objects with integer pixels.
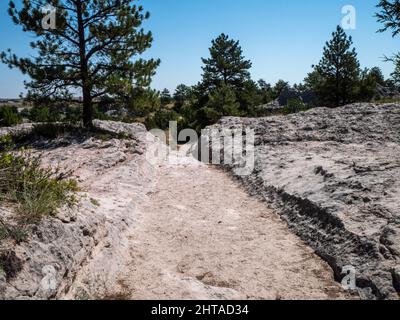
[
  {"x": 396, "y": 73},
  {"x": 377, "y": 74},
  {"x": 181, "y": 95},
  {"x": 279, "y": 87},
  {"x": 165, "y": 97},
  {"x": 338, "y": 71},
  {"x": 222, "y": 102},
  {"x": 368, "y": 84},
  {"x": 249, "y": 98},
  {"x": 264, "y": 91},
  {"x": 389, "y": 16},
  {"x": 90, "y": 50},
  {"x": 226, "y": 66}
]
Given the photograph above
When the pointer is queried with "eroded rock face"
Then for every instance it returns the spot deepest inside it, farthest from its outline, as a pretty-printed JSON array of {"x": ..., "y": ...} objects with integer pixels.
[
  {"x": 383, "y": 92},
  {"x": 287, "y": 94},
  {"x": 334, "y": 176},
  {"x": 113, "y": 175}
]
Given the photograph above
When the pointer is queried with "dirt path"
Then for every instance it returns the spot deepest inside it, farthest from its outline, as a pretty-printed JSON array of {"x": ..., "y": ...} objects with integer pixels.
[
  {"x": 174, "y": 231},
  {"x": 199, "y": 236}
]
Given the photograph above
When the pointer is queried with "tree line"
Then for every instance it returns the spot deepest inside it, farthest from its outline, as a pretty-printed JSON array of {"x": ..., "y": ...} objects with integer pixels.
[{"x": 96, "y": 51}]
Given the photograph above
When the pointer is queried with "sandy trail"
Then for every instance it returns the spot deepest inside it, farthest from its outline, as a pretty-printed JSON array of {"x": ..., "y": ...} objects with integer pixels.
[{"x": 199, "y": 236}]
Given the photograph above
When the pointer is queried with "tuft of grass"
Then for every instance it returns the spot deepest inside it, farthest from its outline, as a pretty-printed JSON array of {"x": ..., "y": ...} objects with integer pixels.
[
  {"x": 35, "y": 191},
  {"x": 8, "y": 231},
  {"x": 4, "y": 234},
  {"x": 94, "y": 202},
  {"x": 82, "y": 294},
  {"x": 9, "y": 116}
]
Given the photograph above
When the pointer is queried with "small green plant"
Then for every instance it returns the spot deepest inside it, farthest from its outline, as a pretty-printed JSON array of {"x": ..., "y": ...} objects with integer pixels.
[
  {"x": 6, "y": 143},
  {"x": 294, "y": 106},
  {"x": 39, "y": 114},
  {"x": 161, "y": 119},
  {"x": 4, "y": 234},
  {"x": 82, "y": 294},
  {"x": 35, "y": 191},
  {"x": 94, "y": 202},
  {"x": 8, "y": 231},
  {"x": 73, "y": 114},
  {"x": 9, "y": 116}
]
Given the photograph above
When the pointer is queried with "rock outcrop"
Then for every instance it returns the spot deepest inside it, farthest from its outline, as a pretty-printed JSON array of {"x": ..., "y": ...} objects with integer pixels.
[
  {"x": 334, "y": 176},
  {"x": 384, "y": 92},
  {"x": 307, "y": 97},
  {"x": 113, "y": 176},
  {"x": 19, "y": 129}
]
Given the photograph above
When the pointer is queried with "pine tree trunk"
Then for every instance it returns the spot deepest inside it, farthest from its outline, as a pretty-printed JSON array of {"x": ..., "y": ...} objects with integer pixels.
[
  {"x": 87, "y": 115},
  {"x": 87, "y": 108},
  {"x": 337, "y": 90}
]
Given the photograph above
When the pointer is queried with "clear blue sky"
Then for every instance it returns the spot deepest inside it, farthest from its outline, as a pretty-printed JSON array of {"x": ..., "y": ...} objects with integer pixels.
[{"x": 283, "y": 38}]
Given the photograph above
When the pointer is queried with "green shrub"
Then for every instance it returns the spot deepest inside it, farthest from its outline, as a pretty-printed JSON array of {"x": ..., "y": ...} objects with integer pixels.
[
  {"x": 8, "y": 231},
  {"x": 46, "y": 113},
  {"x": 294, "y": 106},
  {"x": 94, "y": 202},
  {"x": 52, "y": 130},
  {"x": 6, "y": 143},
  {"x": 25, "y": 113},
  {"x": 36, "y": 191},
  {"x": 39, "y": 114},
  {"x": 161, "y": 119},
  {"x": 9, "y": 116},
  {"x": 73, "y": 114}
]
